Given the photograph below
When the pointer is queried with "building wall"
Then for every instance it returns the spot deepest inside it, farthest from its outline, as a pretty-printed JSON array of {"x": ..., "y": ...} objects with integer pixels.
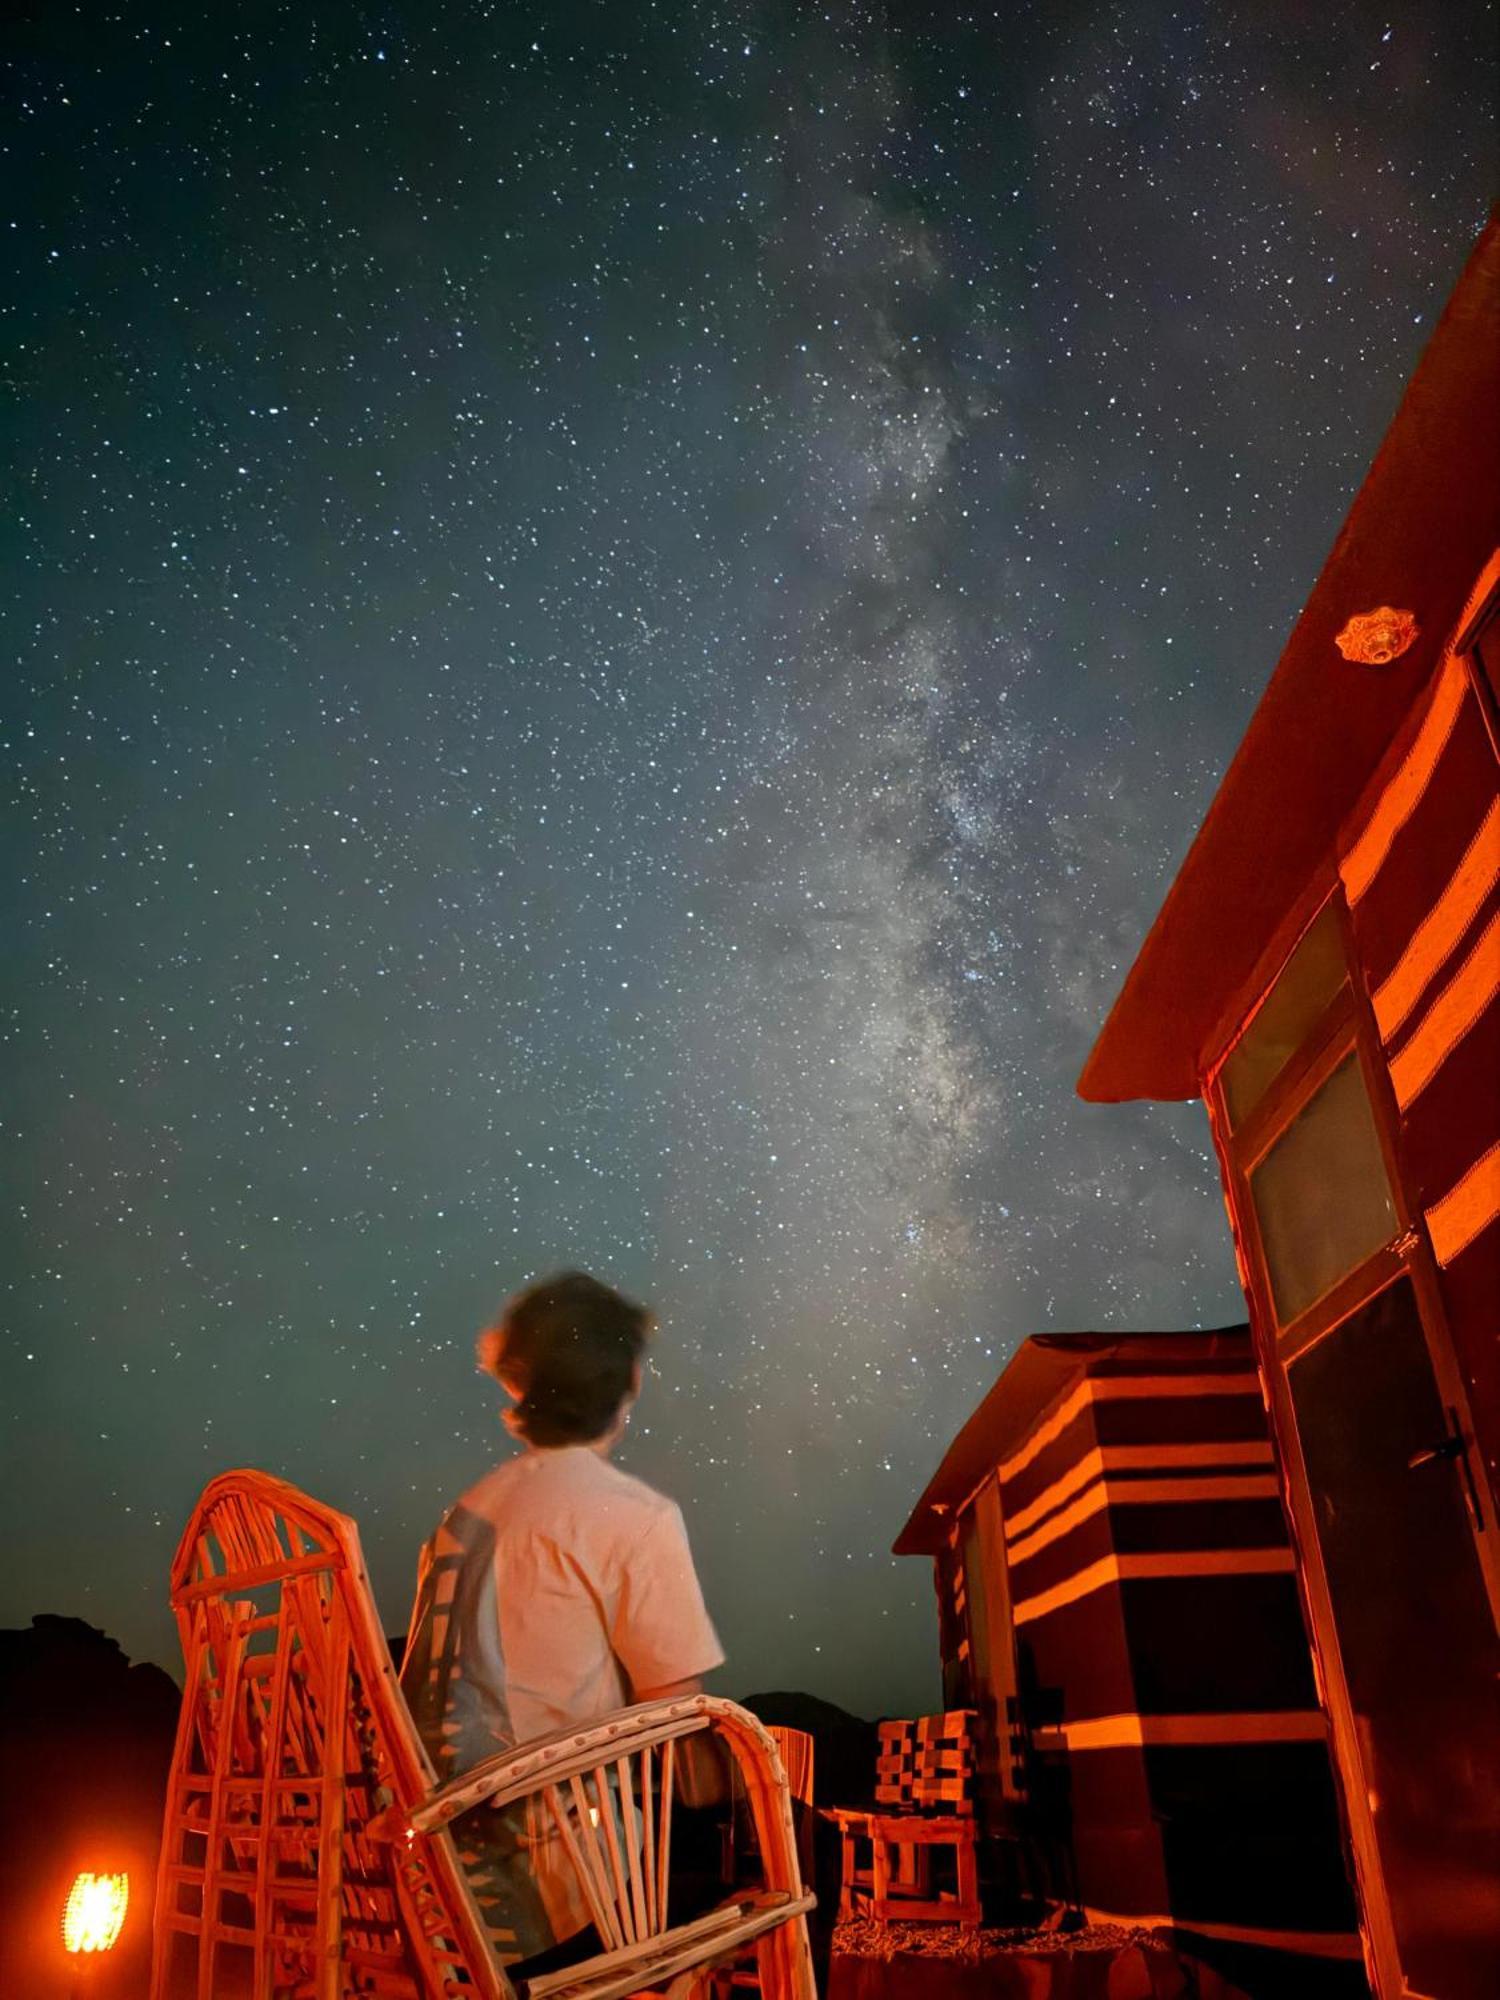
[
  {"x": 1420, "y": 871},
  {"x": 1356, "y": 1105},
  {"x": 1175, "y": 1763}
]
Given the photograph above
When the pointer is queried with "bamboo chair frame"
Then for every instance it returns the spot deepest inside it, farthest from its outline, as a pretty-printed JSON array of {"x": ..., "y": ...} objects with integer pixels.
[
  {"x": 306, "y": 1852},
  {"x": 797, "y": 1750}
]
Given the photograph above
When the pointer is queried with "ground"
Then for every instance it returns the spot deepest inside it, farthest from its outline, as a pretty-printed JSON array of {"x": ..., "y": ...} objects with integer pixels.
[{"x": 874, "y": 1961}]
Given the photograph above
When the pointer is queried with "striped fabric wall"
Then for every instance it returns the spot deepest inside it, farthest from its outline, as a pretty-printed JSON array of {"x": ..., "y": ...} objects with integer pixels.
[
  {"x": 1176, "y": 1740},
  {"x": 953, "y": 1637},
  {"x": 1421, "y": 873}
]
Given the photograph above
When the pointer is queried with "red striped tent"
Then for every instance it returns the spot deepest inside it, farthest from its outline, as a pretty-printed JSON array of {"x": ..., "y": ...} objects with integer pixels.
[
  {"x": 1117, "y": 1602},
  {"x": 1325, "y": 972}
]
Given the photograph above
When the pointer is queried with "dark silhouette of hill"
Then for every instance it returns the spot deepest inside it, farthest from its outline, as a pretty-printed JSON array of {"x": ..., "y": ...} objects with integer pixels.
[{"x": 85, "y": 1747}]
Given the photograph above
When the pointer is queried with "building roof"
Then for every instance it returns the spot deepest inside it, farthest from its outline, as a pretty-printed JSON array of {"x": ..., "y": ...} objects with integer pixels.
[
  {"x": 1422, "y": 526},
  {"x": 1036, "y": 1374}
]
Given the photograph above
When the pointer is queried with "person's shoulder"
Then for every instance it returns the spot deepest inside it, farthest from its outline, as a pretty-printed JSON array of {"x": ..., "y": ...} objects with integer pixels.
[
  {"x": 490, "y": 1489},
  {"x": 569, "y": 1484},
  {"x": 629, "y": 1494}
]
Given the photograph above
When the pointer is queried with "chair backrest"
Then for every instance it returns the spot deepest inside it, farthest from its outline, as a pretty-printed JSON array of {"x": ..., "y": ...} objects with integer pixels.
[
  {"x": 295, "y": 1762},
  {"x": 896, "y": 1765},
  {"x": 795, "y": 1749},
  {"x": 927, "y": 1765},
  {"x": 944, "y": 1780},
  {"x": 606, "y": 1792}
]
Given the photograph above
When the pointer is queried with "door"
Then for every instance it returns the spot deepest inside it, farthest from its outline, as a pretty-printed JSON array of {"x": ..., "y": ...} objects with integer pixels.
[
  {"x": 1375, "y": 1445},
  {"x": 1414, "y": 1634}
]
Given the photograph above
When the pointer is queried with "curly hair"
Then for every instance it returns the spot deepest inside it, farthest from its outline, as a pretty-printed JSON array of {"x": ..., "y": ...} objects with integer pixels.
[{"x": 568, "y": 1348}]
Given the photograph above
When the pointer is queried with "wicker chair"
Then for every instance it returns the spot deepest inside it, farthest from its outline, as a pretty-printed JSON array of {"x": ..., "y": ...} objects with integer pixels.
[
  {"x": 305, "y": 1853},
  {"x": 796, "y": 1749}
]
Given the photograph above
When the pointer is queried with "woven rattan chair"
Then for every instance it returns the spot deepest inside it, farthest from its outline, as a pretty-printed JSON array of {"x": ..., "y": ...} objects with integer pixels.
[{"x": 305, "y": 1853}]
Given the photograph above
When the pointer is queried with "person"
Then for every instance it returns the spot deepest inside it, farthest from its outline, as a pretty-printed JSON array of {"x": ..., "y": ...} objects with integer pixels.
[{"x": 557, "y": 1589}]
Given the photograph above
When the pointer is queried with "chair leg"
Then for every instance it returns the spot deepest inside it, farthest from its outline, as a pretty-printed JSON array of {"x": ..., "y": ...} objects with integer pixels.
[
  {"x": 880, "y": 1871},
  {"x": 694, "y": 1984},
  {"x": 846, "y": 1874},
  {"x": 968, "y": 1884}
]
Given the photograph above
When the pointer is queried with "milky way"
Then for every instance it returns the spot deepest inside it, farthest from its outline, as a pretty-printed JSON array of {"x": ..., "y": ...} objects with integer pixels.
[{"x": 623, "y": 614}]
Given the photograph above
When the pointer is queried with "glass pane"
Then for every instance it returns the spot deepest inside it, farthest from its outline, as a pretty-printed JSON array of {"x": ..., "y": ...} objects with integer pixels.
[
  {"x": 1421, "y": 1660},
  {"x": 1308, "y": 981},
  {"x": 1322, "y": 1195}
]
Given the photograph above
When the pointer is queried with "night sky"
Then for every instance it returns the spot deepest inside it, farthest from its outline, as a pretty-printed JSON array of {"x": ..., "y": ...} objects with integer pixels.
[{"x": 617, "y": 617}]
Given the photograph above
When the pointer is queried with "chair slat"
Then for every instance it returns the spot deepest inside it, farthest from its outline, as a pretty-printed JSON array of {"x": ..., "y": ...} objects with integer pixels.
[
  {"x": 632, "y": 1846},
  {"x": 604, "y": 1795},
  {"x": 581, "y": 1870},
  {"x": 592, "y": 1844},
  {"x": 654, "y": 1917},
  {"x": 664, "y": 1852}
]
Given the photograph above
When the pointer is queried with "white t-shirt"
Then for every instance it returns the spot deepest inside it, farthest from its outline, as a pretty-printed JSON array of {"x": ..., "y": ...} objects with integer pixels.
[{"x": 551, "y": 1593}]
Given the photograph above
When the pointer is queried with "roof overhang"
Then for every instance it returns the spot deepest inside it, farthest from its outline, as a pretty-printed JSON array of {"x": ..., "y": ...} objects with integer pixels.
[
  {"x": 1039, "y": 1371},
  {"x": 1422, "y": 526}
]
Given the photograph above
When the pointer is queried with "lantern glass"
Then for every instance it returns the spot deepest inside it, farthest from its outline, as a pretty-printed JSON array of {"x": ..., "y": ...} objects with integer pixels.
[{"x": 95, "y": 1912}]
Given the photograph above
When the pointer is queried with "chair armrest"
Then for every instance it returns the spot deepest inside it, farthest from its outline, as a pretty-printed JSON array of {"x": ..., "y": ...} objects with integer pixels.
[
  {"x": 617, "y": 1838},
  {"x": 551, "y": 1760}
]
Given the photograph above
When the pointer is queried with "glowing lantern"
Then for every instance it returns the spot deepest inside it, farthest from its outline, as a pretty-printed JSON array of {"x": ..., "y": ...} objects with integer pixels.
[{"x": 96, "y": 1910}]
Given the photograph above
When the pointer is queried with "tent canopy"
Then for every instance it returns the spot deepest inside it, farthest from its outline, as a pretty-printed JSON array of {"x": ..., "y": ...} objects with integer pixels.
[{"x": 1036, "y": 1375}]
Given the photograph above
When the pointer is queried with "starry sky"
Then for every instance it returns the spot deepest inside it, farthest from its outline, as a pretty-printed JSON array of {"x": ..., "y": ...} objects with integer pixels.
[{"x": 618, "y": 615}]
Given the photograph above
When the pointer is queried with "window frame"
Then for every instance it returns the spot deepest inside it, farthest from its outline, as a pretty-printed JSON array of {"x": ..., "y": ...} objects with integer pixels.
[
  {"x": 1343, "y": 1028},
  {"x": 1481, "y": 620}
]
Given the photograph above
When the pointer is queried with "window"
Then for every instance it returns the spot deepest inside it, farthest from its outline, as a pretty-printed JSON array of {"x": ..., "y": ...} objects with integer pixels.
[
  {"x": 1301, "y": 1132},
  {"x": 1281, "y": 1024},
  {"x": 1322, "y": 1195}
]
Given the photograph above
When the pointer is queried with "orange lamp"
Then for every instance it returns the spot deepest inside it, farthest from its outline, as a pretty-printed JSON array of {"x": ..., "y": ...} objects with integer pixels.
[{"x": 95, "y": 1913}]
